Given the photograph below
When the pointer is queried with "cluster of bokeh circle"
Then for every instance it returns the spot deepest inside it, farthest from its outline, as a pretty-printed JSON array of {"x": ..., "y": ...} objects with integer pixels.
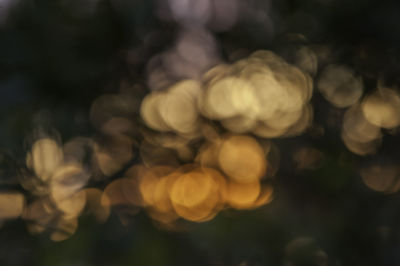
[{"x": 203, "y": 145}]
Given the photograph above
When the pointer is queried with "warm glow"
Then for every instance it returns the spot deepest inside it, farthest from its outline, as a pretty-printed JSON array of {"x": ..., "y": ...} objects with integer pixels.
[
  {"x": 242, "y": 159},
  {"x": 382, "y": 108},
  {"x": 44, "y": 158},
  {"x": 243, "y": 196},
  {"x": 194, "y": 196},
  {"x": 11, "y": 205}
]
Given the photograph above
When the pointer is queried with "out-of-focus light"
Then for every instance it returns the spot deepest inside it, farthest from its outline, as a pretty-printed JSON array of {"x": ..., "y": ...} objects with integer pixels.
[
  {"x": 216, "y": 73},
  {"x": 361, "y": 148},
  {"x": 12, "y": 205},
  {"x": 382, "y": 108},
  {"x": 356, "y": 127},
  {"x": 77, "y": 149},
  {"x": 100, "y": 211},
  {"x": 161, "y": 198},
  {"x": 305, "y": 121},
  {"x": 113, "y": 195},
  {"x": 208, "y": 154},
  {"x": 44, "y": 157},
  {"x": 340, "y": 86},
  {"x": 39, "y": 215},
  {"x": 264, "y": 130},
  {"x": 242, "y": 159},
  {"x": 306, "y": 60},
  {"x": 130, "y": 184},
  {"x": 157, "y": 77},
  {"x": 219, "y": 15},
  {"x": 381, "y": 177},
  {"x": 359, "y": 135},
  {"x": 193, "y": 53},
  {"x": 148, "y": 182},
  {"x": 262, "y": 94},
  {"x": 190, "y": 11},
  {"x": 118, "y": 126},
  {"x": 65, "y": 189},
  {"x": 265, "y": 197},
  {"x": 150, "y": 112},
  {"x": 111, "y": 114},
  {"x": 194, "y": 195},
  {"x": 64, "y": 228},
  {"x": 33, "y": 184},
  {"x": 69, "y": 178},
  {"x": 239, "y": 123},
  {"x": 178, "y": 109},
  {"x": 113, "y": 153},
  {"x": 152, "y": 154},
  {"x": 178, "y": 67},
  {"x": 42, "y": 216},
  {"x": 197, "y": 47},
  {"x": 230, "y": 97},
  {"x": 243, "y": 196},
  {"x": 173, "y": 110}
]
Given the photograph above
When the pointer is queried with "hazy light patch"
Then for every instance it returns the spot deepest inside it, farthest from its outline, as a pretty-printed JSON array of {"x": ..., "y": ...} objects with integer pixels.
[
  {"x": 306, "y": 60},
  {"x": 64, "y": 228},
  {"x": 382, "y": 108},
  {"x": 242, "y": 159},
  {"x": 173, "y": 110},
  {"x": 12, "y": 205},
  {"x": 358, "y": 134},
  {"x": 219, "y": 15},
  {"x": 340, "y": 86},
  {"x": 65, "y": 189},
  {"x": 114, "y": 148},
  {"x": 46, "y": 155},
  {"x": 381, "y": 177},
  {"x": 194, "y": 196},
  {"x": 243, "y": 196}
]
